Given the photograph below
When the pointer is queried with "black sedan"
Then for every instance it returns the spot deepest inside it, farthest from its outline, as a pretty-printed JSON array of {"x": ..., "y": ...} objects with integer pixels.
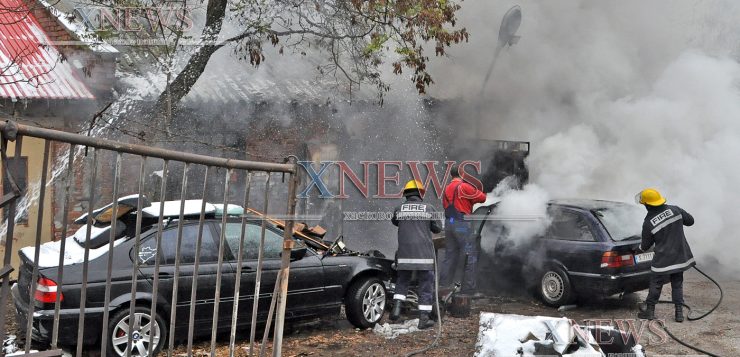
[
  {"x": 590, "y": 248},
  {"x": 322, "y": 279}
]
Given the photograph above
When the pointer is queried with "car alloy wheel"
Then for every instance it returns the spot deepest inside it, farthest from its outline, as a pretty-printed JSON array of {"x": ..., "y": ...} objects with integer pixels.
[
  {"x": 373, "y": 302},
  {"x": 553, "y": 286},
  {"x": 143, "y": 334}
]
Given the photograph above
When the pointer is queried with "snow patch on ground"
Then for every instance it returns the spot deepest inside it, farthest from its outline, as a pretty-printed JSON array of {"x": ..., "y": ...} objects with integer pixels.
[
  {"x": 500, "y": 334},
  {"x": 391, "y": 331},
  {"x": 516, "y": 335},
  {"x": 10, "y": 345}
]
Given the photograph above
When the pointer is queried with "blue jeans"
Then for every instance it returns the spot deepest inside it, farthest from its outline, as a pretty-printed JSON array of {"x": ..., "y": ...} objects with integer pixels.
[{"x": 461, "y": 248}]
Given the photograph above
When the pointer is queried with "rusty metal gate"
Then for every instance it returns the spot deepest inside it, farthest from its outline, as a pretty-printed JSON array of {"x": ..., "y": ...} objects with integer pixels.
[{"x": 85, "y": 153}]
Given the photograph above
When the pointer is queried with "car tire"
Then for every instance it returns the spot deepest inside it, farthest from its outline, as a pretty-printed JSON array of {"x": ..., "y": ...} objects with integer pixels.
[
  {"x": 554, "y": 288},
  {"x": 365, "y": 303},
  {"x": 117, "y": 332}
]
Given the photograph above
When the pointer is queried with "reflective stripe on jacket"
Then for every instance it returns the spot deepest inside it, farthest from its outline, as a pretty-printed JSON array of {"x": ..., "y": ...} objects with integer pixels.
[{"x": 416, "y": 222}]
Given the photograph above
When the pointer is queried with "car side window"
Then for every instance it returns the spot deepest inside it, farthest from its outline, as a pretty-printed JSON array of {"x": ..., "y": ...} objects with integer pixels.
[
  {"x": 569, "y": 225},
  {"x": 252, "y": 234},
  {"x": 208, "y": 251}
]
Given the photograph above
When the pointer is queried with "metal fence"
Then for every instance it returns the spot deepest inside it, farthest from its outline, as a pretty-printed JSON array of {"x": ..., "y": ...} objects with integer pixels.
[{"x": 93, "y": 150}]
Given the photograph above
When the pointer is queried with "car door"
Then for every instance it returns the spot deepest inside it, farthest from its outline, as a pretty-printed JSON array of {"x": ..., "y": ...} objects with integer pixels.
[
  {"x": 207, "y": 271},
  {"x": 571, "y": 239},
  {"x": 305, "y": 284}
]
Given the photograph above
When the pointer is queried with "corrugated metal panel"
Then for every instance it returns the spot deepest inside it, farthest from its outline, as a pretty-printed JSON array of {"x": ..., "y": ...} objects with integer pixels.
[{"x": 29, "y": 63}]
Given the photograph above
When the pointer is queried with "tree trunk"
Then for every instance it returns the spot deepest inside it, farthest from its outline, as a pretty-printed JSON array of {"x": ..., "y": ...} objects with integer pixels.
[{"x": 185, "y": 80}]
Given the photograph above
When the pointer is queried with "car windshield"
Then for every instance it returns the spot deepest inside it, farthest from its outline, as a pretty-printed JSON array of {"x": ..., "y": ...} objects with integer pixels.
[{"x": 623, "y": 222}]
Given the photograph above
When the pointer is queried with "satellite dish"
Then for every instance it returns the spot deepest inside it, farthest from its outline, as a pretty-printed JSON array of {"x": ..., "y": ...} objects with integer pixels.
[{"x": 509, "y": 26}]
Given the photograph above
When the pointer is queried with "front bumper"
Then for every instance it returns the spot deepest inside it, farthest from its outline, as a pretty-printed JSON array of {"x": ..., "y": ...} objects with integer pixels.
[
  {"x": 610, "y": 284},
  {"x": 43, "y": 322}
]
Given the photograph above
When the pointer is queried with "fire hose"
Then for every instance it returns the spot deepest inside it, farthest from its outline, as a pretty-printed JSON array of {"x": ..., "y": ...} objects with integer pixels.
[{"x": 688, "y": 316}]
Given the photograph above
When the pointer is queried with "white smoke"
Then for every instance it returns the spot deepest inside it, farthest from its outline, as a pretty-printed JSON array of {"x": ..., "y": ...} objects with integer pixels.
[
  {"x": 616, "y": 97},
  {"x": 679, "y": 137},
  {"x": 520, "y": 215}
]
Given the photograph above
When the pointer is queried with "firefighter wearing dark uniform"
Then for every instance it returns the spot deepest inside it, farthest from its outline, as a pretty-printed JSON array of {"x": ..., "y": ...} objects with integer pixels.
[
  {"x": 663, "y": 227},
  {"x": 416, "y": 221}
]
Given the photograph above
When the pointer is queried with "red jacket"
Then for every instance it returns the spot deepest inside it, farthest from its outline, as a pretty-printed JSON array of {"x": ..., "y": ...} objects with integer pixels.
[{"x": 467, "y": 195}]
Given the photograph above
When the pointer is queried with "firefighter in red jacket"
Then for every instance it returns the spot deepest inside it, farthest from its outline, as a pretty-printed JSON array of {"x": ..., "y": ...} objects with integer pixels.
[{"x": 461, "y": 246}]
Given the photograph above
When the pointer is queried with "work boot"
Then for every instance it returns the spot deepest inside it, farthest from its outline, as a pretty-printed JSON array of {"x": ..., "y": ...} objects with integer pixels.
[
  {"x": 396, "y": 312},
  {"x": 648, "y": 313},
  {"x": 424, "y": 321},
  {"x": 679, "y": 313}
]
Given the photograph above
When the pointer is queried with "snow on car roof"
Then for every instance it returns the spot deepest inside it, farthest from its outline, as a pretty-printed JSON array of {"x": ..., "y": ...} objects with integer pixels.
[
  {"x": 82, "y": 219},
  {"x": 74, "y": 251},
  {"x": 172, "y": 208},
  {"x": 81, "y": 234},
  {"x": 232, "y": 209}
]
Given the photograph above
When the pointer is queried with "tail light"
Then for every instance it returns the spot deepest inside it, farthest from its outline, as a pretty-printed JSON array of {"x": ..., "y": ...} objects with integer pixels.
[
  {"x": 46, "y": 291},
  {"x": 613, "y": 259}
]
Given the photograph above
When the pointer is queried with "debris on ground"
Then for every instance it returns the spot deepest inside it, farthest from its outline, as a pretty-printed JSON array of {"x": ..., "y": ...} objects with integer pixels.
[
  {"x": 10, "y": 345},
  {"x": 391, "y": 331},
  {"x": 334, "y": 336},
  {"x": 518, "y": 335}
]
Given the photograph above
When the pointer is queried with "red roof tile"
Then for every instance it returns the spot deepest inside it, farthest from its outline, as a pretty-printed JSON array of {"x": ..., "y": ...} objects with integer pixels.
[{"x": 29, "y": 63}]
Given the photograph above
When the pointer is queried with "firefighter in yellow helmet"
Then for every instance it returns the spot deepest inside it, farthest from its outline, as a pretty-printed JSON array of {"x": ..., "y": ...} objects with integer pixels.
[
  {"x": 416, "y": 221},
  {"x": 663, "y": 227}
]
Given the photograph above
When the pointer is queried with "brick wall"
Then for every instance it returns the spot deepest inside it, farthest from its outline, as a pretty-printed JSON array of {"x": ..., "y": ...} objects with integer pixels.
[
  {"x": 79, "y": 191},
  {"x": 96, "y": 69}
]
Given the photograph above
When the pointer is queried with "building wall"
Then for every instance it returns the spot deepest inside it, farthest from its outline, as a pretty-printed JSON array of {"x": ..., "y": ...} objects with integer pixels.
[{"x": 25, "y": 233}]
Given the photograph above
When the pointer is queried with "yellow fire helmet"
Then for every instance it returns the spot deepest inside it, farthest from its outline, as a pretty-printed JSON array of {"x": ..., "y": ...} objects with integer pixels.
[
  {"x": 650, "y": 197},
  {"x": 414, "y": 185}
]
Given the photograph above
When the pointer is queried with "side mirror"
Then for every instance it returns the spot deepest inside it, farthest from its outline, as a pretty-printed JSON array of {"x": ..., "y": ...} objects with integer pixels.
[{"x": 298, "y": 253}]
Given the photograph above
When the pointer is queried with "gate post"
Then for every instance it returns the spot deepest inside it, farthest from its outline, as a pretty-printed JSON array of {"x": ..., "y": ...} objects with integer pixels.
[{"x": 288, "y": 243}]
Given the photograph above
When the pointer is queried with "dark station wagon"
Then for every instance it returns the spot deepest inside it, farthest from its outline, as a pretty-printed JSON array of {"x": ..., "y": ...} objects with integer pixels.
[{"x": 590, "y": 248}]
